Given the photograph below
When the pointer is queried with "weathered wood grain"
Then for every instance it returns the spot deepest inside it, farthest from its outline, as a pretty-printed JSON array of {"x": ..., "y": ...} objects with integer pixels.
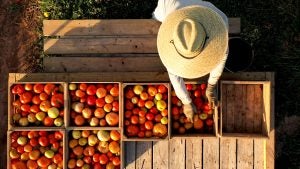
[
  {"x": 227, "y": 153},
  {"x": 160, "y": 154},
  {"x": 211, "y": 153},
  {"x": 177, "y": 153},
  {"x": 130, "y": 153},
  {"x": 193, "y": 153},
  {"x": 245, "y": 154}
]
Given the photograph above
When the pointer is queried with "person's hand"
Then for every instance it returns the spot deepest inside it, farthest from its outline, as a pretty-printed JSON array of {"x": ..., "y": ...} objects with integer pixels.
[
  {"x": 189, "y": 110},
  {"x": 211, "y": 96}
]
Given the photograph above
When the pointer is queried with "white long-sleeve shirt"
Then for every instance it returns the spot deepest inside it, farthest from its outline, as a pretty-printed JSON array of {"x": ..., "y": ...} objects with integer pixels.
[{"x": 165, "y": 7}]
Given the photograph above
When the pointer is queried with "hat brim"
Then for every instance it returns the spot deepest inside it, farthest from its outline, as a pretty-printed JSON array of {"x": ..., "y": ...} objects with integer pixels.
[{"x": 212, "y": 53}]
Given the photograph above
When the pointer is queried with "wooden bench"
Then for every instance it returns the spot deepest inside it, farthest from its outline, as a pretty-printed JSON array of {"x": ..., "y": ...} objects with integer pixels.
[{"x": 125, "y": 50}]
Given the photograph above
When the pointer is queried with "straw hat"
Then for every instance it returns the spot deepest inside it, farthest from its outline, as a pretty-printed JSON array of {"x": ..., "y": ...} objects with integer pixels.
[{"x": 192, "y": 41}]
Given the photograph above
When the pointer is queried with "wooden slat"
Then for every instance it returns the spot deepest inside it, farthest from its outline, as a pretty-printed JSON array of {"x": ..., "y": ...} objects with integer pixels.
[
  {"x": 101, "y": 45},
  {"x": 130, "y": 148},
  {"x": 238, "y": 112},
  {"x": 211, "y": 151},
  {"x": 143, "y": 155},
  {"x": 193, "y": 153},
  {"x": 230, "y": 111},
  {"x": 177, "y": 153},
  {"x": 103, "y": 64},
  {"x": 258, "y": 109},
  {"x": 249, "y": 115},
  {"x": 227, "y": 153},
  {"x": 245, "y": 154},
  {"x": 259, "y": 154},
  {"x": 160, "y": 154},
  {"x": 100, "y": 27},
  {"x": 110, "y": 27}
]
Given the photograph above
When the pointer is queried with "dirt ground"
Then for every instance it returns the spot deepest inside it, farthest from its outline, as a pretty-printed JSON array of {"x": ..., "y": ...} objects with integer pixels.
[{"x": 19, "y": 50}]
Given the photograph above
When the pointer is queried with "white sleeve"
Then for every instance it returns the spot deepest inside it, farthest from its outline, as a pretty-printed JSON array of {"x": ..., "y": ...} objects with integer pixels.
[
  {"x": 163, "y": 8},
  {"x": 180, "y": 89},
  {"x": 215, "y": 74}
]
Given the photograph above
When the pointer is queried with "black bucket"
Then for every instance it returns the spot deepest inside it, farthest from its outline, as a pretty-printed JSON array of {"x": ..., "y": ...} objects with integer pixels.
[{"x": 240, "y": 56}]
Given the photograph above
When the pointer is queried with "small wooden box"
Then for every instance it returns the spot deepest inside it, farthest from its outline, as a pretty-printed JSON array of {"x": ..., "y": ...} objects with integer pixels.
[
  {"x": 197, "y": 94},
  {"x": 92, "y": 129},
  {"x": 126, "y": 86},
  {"x": 12, "y": 109},
  {"x": 10, "y": 147},
  {"x": 69, "y": 123},
  {"x": 245, "y": 108}
]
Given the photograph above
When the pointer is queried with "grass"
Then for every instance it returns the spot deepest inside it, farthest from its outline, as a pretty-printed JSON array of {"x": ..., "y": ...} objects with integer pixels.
[{"x": 271, "y": 27}]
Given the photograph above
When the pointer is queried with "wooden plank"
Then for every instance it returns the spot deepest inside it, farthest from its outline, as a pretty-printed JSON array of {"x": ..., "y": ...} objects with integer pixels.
[
  {"x": 249, "y": 115},
  {"x": 98, "y": 27},
  {"x": 103, "y": 64},
  {"x": 193, "y": 153},
  {"x": 270, "y": 147},
  {"x": 211, "y": 149},
  {"x": 259, "y": 154},
  {"x": 258, "y": 109},
  {"x": 243, "y": 76},
  {"x": 177, "y": 153},
  {"x": 238, "y": 112},
  {"x": 114, "y": 27},
  {"x": 245, "y": 154},
  {"x": 160, "y": 154},
  {"x": 227, "y": 153},
  {"x": 101, "y": 45},
  {"x": 130, "y": 148},
  {"x": 230, "y": 111},
  {"x": 143, "y": 158}
]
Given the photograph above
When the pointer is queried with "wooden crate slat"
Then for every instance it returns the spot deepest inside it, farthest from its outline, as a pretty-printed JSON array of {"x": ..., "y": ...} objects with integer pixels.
[
  {"x": 249, "y": 116},
  {"x": 227, "y": 153},
  {"x": 230, "y": 110},
  {"x": 130, "y": 152},
  {"x": 245, "y": 154},
  {"x": 113, "y": 27},
  {"x": 160, "y": 154},
  {"x": 238, "y": 111},
  {"x": 103, "y": 64},
  {"x": 258, "y": 109},
  {"x": 143, "y": 155},
  {"x": 101, "y": 45},
  {"x": 193, "y": 153},
  {"x": 259, "y": 154},
  {"x": 211, "y": 148},
  {"x": 177, "y": 153}
]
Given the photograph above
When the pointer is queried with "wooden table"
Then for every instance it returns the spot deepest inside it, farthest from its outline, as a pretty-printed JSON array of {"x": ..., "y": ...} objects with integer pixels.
[{"x": 189, "y": 153}]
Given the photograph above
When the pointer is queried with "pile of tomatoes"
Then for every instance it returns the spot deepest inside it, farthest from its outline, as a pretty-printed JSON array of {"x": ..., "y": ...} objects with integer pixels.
[
  {"x": 38, "y": 104},
  {"x": 36, "y": 149}
]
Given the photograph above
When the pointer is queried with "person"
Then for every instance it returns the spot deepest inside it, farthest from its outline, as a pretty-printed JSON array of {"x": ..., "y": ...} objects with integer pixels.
[{"x": 192, "y": 42}]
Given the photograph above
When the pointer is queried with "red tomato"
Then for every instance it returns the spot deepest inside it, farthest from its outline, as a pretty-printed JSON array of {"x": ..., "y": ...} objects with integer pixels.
[
  {"x": 26, "y": 97},
  {"x": 43, "y": 133},
  {"x": 79, "y": 93},
  {"x": 162, "y": 89},
  {"x": 103, "y": 159},
  {"x": 149, "y": 116},
  {"x": 48, "y": 121},
  {"x": 32, "y": 134},
  {"x": 38, "y": 88},
  {"x": 134, "y": 119},
  {"x": 58, "y": 135},
  {"x": 142, "y": 113},
  {"x": 34, "y": 108},
  {"x": 18, "y": 89},
  {"x": 96, "y": 157},
  {"x": 91, "y": 100},
  {"x": 83, "y": 86},
  {"x": 43, "y": 141},
  {"x": 57, "y": 100},
  {"x": 149, "y": 125},
  {"x": 36, "y": 99},
  {"x": 57, "y": 158},
  {"x": 129, "y": 105},
  {"x": 128, "y": 114},
  {"x": 132, "y": 130},
  {"x": 189, "y": 87},
  {"x": 116, "y": 161},
  {"x": 28, "y": 87},
  {"x": 91, "y": 89},
  {"x": 100, "y": 102},
  {"x": 25, "y": 107},
  {"x": 43, "y": 161},
  {"x": 33, "y": 142},
  {"x": 141, "y": 134},
  {"x": 43, "y": 96},
  {"x": 203, "y": 86},
  {"x": 49, "y": 88}
]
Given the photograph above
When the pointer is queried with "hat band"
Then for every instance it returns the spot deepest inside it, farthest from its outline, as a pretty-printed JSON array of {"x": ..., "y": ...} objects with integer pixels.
[{"x": 190, "y": 56}]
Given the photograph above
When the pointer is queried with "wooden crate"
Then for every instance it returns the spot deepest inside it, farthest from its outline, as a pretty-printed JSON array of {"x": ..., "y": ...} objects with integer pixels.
[
  {"x": 212, "y": 115},
  {"x": 126, "y": 138},
  {"x": 9, "y": 142},
  {"x": 245, "y": 108},
  {"x": 12, "y": 98},
  {"x": 91, "y": 129},
  {"x": 96, "y": 83}
]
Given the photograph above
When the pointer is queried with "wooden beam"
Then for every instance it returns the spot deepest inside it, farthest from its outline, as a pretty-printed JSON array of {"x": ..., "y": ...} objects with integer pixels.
[
  {"x": 177, "y": 153},
  {"x": 245, "y": 154},
  {"x": 143, "y": 155},
  {"x": 160, "y": 154},
  {"x": 130, "y": 148},
  {"x": 227, "y": 153},
  {"x": 193, "y": 153},
  {"x": 211, "y": 148}
]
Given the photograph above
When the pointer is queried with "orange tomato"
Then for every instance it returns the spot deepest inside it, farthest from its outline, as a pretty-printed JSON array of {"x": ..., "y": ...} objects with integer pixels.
[
  {"x": 43, "y": 96},
  {"x": 57, "y": 158},
  {"x": 43, "y": 161},
  {"x": 18, "y": 165},
  {"x": 114, "y": 147},
  {"x": 116, "y": 161},
  {"x": 103, "y": 159},
  {"x": 48, "y": 121},
  {"x": 79, "y": 120},
  {"x": 71, "y": 163},
  {"x": 49, "y": 88},
  {"x": 38, "y": 88},
  {"x": 115, "y": 135},
  {"x": 32, "y": 164},
  {"x": 78, "y": 150}
]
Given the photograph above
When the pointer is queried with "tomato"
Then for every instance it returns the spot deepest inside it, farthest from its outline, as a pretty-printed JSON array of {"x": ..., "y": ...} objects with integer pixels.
[
  {"x": 32, "y": 134},
  {"x": 203, "y": 86},
  {"x": 43, "y": 161},
  {"x": 43, "y": 141},
  {"x": 96, "y": 157},
  {"x": 32, "y": 164},
  {"x": 83, "y": 86},
  {"x": 57, "y": 100},
  {"x": 91, "y": 100},
  {"x": 149, "y": 116},
  {"x": 141, "y": 134},
  {"x": 78, "y": 150},
  {"x": 114, "y": 91},
  {"x": 116, "y": 161},
  {"x": 20, "y": 149},
  {"x": 36, "y": 99},
  {"x": 134, "y": 119},
  {"x": 38, "y": 88},
  {"x": 141, "y": 103},
  {"x": 115, "y": 135},
  {"x": 149, "y": 125},
  {"x": 100, "y": 102},
  {"x": 162, "y": 89},
  {"x": 91, "y": 89},
  {"x": 17, "y": 103},
  {"x": 109, "y": 87},
  {"x": 164, "y": 112},
  {"x": 128, "y": 114},
  {"x": 129, "y": 105},
  {"x": 33, "y": 142},
  {"x": 18, "y": 89},
  {"x": 58, "y": 135},
  {"x": 48, "y": 121},
  {"x": 57, "y": 158},
  {"x": 79, "y": 93},
  {"x": 71, "y": 163},
  {"x": 34, "y": 108},
  {"x": 55, "y": 145},
  {"x": 132, "y": 130},
  {"x": 43, "y": 133},
  {"x": 25, "y": 108},
  {"x": 142, "y": 113},
  {"x": 45, "y": 105},
  {"x": 209, "y": 122},
  {"x": 103, "y": 159},
  {"x": 79, "y": 120},
  {"x": 26, "y": 97},
  {"x": 49, "y": 88}
]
